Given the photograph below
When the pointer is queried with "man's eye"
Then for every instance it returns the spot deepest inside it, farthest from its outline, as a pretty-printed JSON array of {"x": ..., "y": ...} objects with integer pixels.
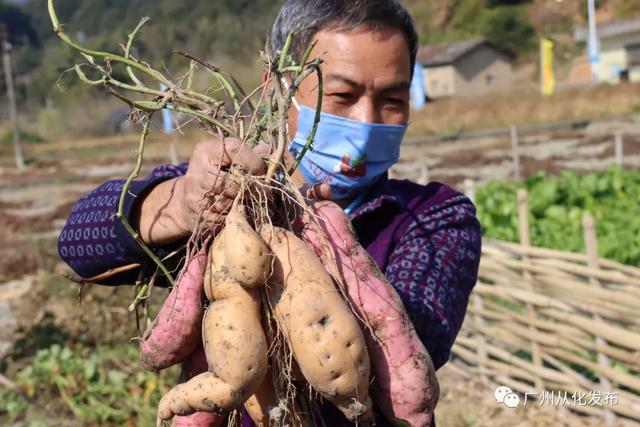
[{"x": 343, "y": 95}]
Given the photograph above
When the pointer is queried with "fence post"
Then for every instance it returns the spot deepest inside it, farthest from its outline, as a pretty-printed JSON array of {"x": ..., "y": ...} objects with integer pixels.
[
  {"x": 173, "y": 152},
  {"x": 515, "y": 153},
  {"x": 525, "y": 242},
  {"x": 591, "y": 244},
  {"x": 619, "y": 149},
  {"x": 423, "y": 179},
  {"x": 470, "y": 189}
]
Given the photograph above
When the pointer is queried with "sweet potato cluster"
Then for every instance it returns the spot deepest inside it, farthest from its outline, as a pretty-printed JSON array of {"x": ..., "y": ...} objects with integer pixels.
[{"x": 330, "y": 303}]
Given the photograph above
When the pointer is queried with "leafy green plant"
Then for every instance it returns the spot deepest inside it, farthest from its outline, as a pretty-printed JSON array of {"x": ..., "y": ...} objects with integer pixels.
[
  {"x": 25, "y": 137},
  {"x": 99, "y": 386},
  {"x": 556, "y": 206}
]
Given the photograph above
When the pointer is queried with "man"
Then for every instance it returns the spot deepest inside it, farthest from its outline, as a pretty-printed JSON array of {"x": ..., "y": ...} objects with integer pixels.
[{"x": 425, "y": 239}]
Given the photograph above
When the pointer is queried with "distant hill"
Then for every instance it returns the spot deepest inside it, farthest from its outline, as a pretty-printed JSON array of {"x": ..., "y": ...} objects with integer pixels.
[{"x": 230, "y": 32}]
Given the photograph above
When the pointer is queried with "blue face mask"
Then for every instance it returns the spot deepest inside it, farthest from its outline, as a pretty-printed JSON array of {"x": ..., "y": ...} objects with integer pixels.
[{"x": 348, "y": 155}]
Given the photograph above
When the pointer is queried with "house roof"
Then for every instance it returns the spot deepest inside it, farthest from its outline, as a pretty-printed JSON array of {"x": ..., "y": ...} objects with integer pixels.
[
  {"x": 609, "y": 30},
  {"x": 433, "y": 55}
]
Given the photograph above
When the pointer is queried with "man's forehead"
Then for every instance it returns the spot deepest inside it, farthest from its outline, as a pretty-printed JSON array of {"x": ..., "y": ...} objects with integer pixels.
[
  {"x": 362, "y": 54},
  {"x": 392, "y": 84}
]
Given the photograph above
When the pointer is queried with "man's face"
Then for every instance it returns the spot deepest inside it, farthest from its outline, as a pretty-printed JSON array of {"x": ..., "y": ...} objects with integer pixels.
[{"x": 366, "y": 74}]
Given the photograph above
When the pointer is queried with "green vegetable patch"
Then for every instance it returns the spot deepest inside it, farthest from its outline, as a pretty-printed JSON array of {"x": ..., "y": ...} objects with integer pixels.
[{"x": 556, "y": 206}]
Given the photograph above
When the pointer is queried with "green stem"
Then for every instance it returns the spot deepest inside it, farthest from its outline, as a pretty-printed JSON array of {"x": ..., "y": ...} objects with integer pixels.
[
  {"x": 57, "y": 28},
  {"x": 307, "y": 53},
  {"x": 316, "y": 121},
  {"x": 139, "y": 297},
  {"x": 127, "y": 50},
  {"x": 123, "y": 195},
  {"x": 285, "y": 52},
  {"x": 204, "y": 117}
]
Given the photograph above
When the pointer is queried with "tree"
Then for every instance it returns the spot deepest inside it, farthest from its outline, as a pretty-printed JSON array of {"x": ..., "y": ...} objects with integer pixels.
[
  {"x": 507, "y": 28},
  {"x": 18, "y": 25}
]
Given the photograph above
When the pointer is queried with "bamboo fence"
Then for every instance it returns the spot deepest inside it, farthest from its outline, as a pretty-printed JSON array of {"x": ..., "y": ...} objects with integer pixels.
[{"x": 551, "y": 323}]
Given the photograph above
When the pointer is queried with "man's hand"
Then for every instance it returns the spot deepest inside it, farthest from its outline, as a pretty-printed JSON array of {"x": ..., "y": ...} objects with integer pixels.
[{"x": 171, "y": 210}]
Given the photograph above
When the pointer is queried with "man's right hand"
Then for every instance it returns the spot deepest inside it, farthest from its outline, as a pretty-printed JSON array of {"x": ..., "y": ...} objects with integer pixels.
[{"x": 171, "y": 210}]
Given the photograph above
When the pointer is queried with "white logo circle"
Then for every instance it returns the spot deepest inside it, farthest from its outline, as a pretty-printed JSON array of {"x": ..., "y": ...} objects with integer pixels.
[
  {"x": 501, "y": 392},
  {"x": 511, "y": 400}
]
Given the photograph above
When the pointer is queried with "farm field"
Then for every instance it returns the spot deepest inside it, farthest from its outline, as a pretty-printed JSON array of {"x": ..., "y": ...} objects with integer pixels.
[
  {"x": 586, "y": 148},
  {"x": 39, "y": 306}
]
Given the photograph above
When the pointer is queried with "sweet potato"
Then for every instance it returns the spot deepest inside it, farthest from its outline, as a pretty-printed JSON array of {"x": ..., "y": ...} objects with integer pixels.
[
  {"x": 405, "y": 389},
  {"x": 198, "y": 419},
  {"x": 324, "y": 336},
  {"x": 193, "y": 365},
  {"x": 241, "y": 251},
  {"x": 175, "y": 332},
  {"x": 236, "y": 352},
  {"x": 261, "y": 402}
]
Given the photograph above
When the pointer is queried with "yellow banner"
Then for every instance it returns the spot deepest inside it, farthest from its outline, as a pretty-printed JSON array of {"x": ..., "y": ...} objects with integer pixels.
[{"x": 547, "y": 78}]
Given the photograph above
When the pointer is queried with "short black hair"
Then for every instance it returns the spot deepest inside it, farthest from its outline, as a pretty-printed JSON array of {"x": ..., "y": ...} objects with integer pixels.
[{"x": 307, "y": 17}]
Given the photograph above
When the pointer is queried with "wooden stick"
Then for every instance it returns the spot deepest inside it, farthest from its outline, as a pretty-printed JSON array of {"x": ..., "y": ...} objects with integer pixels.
[
  {"x": 517, "y": 174},
  {"x": 525, "y": 241},
  {"x": 622, "y": 337},
  {"x": 470, "y": 189},
  {"x": 591, "y": 243},
  {"x": 619, "y": 150},
  {"x": 518, "y": 250},
  {"x": 578, "y": 270}
]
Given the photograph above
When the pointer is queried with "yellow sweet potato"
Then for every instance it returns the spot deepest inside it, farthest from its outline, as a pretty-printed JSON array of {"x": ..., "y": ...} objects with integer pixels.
[
  {"x": 241, "y": 251},
  {"x": 236, "y": 352},
  {"x": 324, "y": 335},
  {"x": 261, "y": 402}
]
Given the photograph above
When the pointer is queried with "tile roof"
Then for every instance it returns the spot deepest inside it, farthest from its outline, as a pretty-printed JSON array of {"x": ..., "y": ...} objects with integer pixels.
[
  {"x": 609, "y": 30},
  {"x": 446, "y": 53}
]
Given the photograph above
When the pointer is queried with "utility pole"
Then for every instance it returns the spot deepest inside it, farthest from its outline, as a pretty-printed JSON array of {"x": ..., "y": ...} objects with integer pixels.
[
  {"x": 13, "y": 111},
  {"x": 594, "y": 42}
]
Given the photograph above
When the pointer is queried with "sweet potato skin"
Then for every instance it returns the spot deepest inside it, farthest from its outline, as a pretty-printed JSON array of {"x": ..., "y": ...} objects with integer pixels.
[
  {"x": 405, "y": 389},
  {"x": 246, "y": 256},
  {"x": 194, "y": 365},
  {"x": 236, "y": 353},
  {"x": 175, "y": 332},
  {"x": 325, "y": 337},
  {"x": 259, "y": 404},
  {"x": 198, "y": 419}
]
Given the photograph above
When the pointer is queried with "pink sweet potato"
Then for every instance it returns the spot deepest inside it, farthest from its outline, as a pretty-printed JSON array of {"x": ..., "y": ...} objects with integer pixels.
[
  {"x": 405, "y": 388},
  {"x": 177, "y": 328}
]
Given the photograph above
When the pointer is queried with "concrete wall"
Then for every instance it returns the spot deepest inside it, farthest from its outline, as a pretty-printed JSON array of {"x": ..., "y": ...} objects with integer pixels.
[
  {"x": 482, "y": 71},
  {"x": 613, "y": 58},
  {"x": 439, "y": 82}
]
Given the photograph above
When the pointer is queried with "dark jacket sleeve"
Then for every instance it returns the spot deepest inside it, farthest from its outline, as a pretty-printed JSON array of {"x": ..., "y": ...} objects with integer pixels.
[
  {"x": 93, "y": 240},
  {"x": 434, "y": 267}
]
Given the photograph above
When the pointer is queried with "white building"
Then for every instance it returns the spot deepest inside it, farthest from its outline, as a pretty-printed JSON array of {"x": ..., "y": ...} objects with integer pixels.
[{"x": 619, "y": 50}]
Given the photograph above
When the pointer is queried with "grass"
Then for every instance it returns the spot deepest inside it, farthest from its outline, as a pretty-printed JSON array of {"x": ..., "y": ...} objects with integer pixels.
[
  {"x": 503, "y": 110},
  {"x": 76, "y": 366},
  {"x": 25, "y": 137}
]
